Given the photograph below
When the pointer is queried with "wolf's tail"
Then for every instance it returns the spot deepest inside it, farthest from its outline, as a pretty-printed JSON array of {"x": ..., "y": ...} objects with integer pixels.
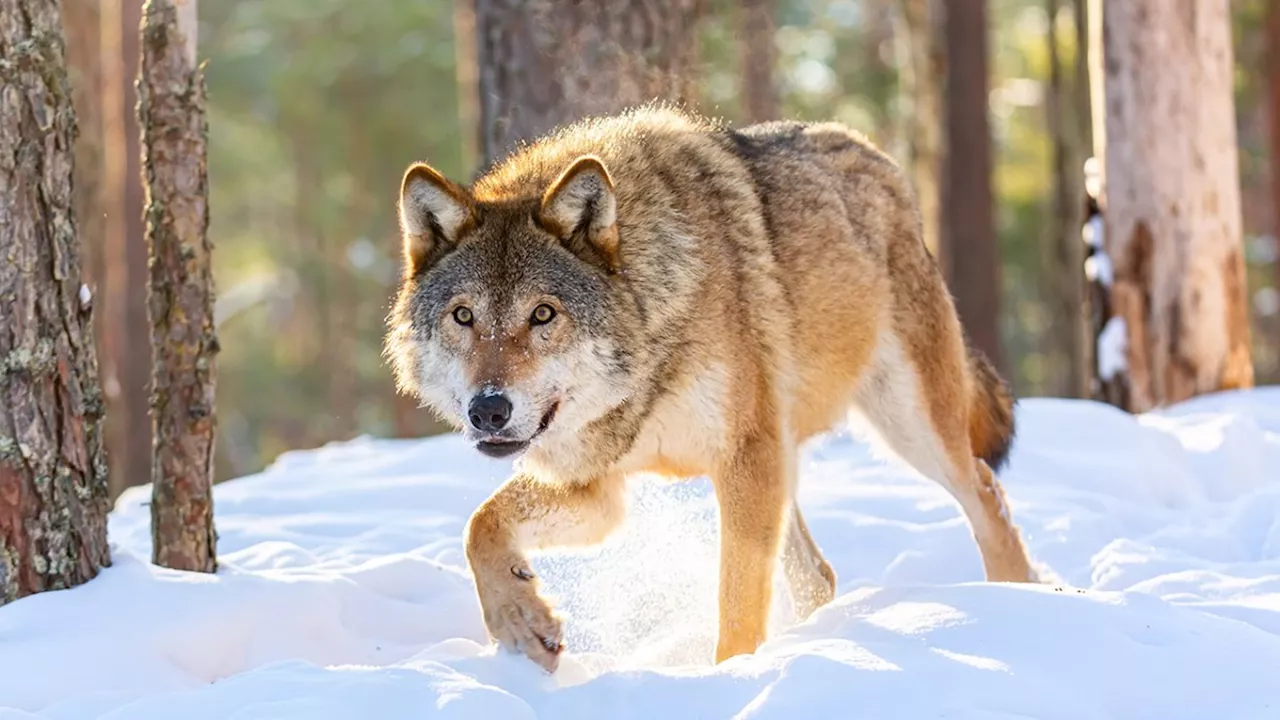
[{"x": 990, "y": 412}]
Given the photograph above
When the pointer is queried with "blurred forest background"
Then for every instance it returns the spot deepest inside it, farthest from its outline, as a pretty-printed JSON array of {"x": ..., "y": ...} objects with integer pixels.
[{"x": 316, "y": 107}]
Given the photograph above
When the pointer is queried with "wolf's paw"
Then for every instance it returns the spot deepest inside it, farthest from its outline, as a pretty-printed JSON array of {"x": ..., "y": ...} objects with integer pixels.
[{"x": 521, "y": 621}]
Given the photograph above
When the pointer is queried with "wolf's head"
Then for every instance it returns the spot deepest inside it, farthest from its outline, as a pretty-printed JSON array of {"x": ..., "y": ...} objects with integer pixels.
[{"x": 511, "y": 318}]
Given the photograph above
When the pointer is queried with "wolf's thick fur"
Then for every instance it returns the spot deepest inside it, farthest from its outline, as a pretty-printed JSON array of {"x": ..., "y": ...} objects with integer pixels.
[{"x": 716, "y": 297}]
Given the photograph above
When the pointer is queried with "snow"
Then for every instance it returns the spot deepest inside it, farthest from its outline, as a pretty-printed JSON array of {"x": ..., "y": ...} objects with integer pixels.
[
  {"x": 1093, "y": 170},
  {"x": 1097, "y": 268},
  {"x": 1092, "y": 232},
  {"x": 1113, "y": 342},
  {"x": 343, "y": 593}
]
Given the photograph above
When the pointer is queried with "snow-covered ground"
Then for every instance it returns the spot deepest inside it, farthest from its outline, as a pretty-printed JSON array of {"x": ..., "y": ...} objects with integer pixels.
[{"x": 344, "y": 594}]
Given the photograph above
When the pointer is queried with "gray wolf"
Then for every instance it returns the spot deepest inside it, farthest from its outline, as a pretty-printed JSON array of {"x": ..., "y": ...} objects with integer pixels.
[{"x": 656, "y": 292}]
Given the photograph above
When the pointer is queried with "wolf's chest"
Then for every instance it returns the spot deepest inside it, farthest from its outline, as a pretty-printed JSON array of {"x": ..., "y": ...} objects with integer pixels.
[{"x": 685, "y": 433}]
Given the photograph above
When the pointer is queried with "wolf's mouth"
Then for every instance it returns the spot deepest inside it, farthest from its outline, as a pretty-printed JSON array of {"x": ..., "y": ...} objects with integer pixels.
[{"x": 500, "y": 448}]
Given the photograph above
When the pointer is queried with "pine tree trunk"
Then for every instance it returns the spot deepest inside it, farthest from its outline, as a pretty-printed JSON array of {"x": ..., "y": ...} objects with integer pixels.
[
  {"x": 81, "y": 20},
  {"x": 969, "y": 250},
  {"x": 544, "y": 63},
  {"x": 53, "y": 470},
  {"x": 125, "y": 332},
  {"x": 1273, "y": 100},
  {"x": 756, "y": 26},
  {"x": 1172, "y": 199},
  {"x": 464, "y": 38},
  {"x": 922, "y": 66},
  {"x": 1081, "y": 91},
  {"x": 1064, "y": 269},
  {"x": 174, "y": 146}
]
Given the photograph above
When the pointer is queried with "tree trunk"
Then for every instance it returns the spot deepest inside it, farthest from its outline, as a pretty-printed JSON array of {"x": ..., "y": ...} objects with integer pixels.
[
  {"x": 756, "y": 26},
  {"x": 184, "y": 344},
  {"x": 464, "y": 39},
  {"x": 1172, "y": 199},
  {"x": 1107, "y": 331},
  {"x": 1064, "y": 269},
  {"x": 544, "y": 63},
  {"x": 1273, "y": 100},
  {"x": 125, "y": 332},
  {"x": 969, "y": 249},
  {"x": 82, "y": 22},
  {"x": 53, "y": 470},
  {"x": 922, "y": 66},
  {"x": 1082, "y": 91}
]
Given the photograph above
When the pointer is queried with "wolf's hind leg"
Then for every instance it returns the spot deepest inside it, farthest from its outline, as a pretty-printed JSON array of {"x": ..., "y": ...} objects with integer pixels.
[
  {"x": 810, "y": 578},
  {"x": 528, "y": 514},
  {"x": 892, "y": 397},
  {"x": 1004, "y": 556}
]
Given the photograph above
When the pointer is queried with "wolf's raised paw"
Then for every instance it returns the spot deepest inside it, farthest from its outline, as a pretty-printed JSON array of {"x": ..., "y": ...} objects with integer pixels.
[{"x": 521, "y": 621}]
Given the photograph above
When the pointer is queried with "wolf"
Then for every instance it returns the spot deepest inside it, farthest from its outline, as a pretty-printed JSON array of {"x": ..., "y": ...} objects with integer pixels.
[{"x": 659, "y": 292}]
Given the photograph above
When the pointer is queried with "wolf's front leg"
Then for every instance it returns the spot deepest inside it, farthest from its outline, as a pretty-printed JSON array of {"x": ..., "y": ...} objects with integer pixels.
[
  {"x": 529, "y": 514},
  {"x": 753, "y": 491}
]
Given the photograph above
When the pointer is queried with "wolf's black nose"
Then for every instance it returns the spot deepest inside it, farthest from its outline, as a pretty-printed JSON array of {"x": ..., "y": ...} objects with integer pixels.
[{"x": 489, "y": 413}]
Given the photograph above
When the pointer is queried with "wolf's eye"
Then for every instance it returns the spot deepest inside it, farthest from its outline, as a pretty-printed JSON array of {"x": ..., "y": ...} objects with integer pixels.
[
  {"x": 463, "y": 316},
  {"x": 542, "y": 315}
]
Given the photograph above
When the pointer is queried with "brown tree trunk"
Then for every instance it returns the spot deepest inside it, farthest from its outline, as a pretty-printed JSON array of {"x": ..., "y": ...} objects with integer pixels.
[
  {"x": 1064, "y": 269},
  {"x": 464, "y": 38},
  {"x": 80, "y": 19},
  {"x": 1273, "y": 100},
  {"x": 1172, "y": 198},
  {"x": 125, "y": 333},
  {"x": 184, "y": 344},
  {"x": 756, "y": 26},
  {"x": 543, "y": 63},
  {"x": 922, "y": 67},
  {"x": 53, "y": 471},
  {"x": 969, "y": 250},
  {"x": 1105, "y": 329},
  {"x": 1082, "y": 91}
]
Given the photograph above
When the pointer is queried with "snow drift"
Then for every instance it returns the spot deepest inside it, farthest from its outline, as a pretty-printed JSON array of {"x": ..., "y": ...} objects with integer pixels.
[{"x": 344, "y": 593}]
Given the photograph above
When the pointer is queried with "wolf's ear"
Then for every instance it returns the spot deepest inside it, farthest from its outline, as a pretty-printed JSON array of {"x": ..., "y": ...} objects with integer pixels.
[
  {"x": 433, "y": 213},
  {"x": 581, "y": 210}
]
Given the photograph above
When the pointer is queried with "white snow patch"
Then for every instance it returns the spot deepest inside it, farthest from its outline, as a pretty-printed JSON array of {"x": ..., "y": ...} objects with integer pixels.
[
  {"x": 1097, "y": 268},
  {"x": 344, "y": 593},
  {"x": 1093, "y": 177},
  {"x": 1112, "y": 345},
  {"x": 1092, "y": 232}
]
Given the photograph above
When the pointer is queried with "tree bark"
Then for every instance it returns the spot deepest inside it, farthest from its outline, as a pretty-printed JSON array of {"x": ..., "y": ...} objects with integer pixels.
[
  {"x": 544, "y": 63},
  {"x": 759, "y": 56},
  {"x": 969, "y": 249},
  {"x": 1064, "y": 276},
  {"x": 1172, "y": 198},
  {"x": 184, "y": 343},
  {"x": 1081, "y": 92},
  {"x": 125, "y": 332},
  {"x": 53, "y": 470},
  {"x": 1273, "y": 100},
  {"x": 465, "y": 57},
  {"x": 82, "y": 23},
  {"x": 922, "y": 66}
]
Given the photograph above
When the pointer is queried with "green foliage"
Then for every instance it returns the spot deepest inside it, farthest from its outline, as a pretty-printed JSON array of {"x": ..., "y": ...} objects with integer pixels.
[{"x": 316, "y": 107}]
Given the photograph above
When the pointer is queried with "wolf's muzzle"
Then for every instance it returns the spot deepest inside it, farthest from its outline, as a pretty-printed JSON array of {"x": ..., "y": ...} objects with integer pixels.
[{"x": 496, "y": 447}]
